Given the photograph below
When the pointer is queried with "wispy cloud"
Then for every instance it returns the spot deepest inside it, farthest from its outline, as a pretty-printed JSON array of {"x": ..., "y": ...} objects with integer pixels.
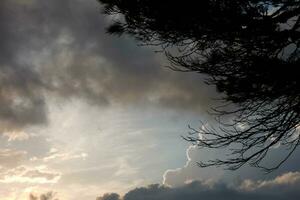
[{"x": 25, "y": 174}]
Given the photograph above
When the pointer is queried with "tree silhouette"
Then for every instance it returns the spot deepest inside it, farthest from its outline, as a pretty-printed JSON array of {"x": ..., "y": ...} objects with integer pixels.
[{"x": 248, "y": 49}]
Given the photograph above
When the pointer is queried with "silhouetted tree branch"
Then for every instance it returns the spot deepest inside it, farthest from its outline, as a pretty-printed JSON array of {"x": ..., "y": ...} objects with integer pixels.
[{"x": 250, "y": 52}]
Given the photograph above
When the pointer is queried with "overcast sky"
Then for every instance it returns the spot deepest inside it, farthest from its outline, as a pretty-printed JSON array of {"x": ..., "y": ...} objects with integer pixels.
[{"x": 84, "y": 114}]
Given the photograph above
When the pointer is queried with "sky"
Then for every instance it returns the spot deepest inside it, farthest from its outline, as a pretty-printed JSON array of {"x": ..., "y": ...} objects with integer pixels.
[{"x": 89, "y": 116}]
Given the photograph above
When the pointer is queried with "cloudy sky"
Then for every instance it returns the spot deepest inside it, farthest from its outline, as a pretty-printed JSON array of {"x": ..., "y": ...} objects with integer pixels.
[{"x": 86, "y": 115}]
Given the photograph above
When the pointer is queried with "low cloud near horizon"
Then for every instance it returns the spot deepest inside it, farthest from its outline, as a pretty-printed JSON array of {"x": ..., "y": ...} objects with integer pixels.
[{"x": 283, "y": 187}]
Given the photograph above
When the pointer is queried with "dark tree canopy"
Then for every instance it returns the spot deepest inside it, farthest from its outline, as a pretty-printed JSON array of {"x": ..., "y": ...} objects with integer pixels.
[{"x": 248, "y": 49}]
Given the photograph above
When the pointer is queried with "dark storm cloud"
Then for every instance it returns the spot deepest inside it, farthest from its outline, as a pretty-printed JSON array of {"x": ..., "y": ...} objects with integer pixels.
[
  {"x": 283, "y": 187},
  {"x": 60, "y": 48},
  {"x": 20, "y": 95}
]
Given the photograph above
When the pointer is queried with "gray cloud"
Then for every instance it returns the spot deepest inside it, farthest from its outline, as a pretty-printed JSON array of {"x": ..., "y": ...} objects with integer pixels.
[
  {"x": 60, "y": 49},
  {"x": 20, "y": 86},
  {"x": 111, "y": 196},
  {"x": 283, "y": 187}
]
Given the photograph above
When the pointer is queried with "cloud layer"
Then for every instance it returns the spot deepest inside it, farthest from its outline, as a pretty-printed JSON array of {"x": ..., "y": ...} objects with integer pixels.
[{"x": 283, "y": 187}]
